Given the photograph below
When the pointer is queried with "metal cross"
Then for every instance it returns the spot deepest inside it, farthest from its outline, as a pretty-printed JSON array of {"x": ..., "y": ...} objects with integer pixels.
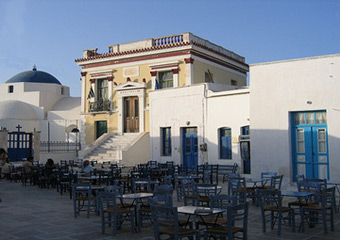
[{"x": 18, "y": 127}]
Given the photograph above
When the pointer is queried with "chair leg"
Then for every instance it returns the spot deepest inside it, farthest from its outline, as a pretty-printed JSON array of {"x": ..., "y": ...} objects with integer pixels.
[
  {"x": 332, "y": 219},
  {"x": 263, "y": 221},
  {"x": 132, "y": 222},
  {"x": 88, "y": 208},
  {"x": 103, "y": 222},
  {"x": 324, "y": 220}
]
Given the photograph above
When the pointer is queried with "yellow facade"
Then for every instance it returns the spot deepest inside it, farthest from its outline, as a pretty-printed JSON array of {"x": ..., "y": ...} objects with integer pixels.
[{"x": 130, "y": 64}]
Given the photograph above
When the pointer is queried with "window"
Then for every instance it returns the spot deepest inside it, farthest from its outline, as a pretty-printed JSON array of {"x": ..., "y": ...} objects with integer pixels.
[
  {"x": 208, "y": 77},
  {"x": 10, "y": 88},
  {"x": 225, "y": 143},
  {"x": 62, "y": 91},
  {"x": 233, "y": 82},
  {"x": 166, "y": 141},
  {"x": 165, "y": 79},
  {"x": 245, "y": 130},
  {"x": 319, "y": 117},
  {"x": 102, "y": 89}
]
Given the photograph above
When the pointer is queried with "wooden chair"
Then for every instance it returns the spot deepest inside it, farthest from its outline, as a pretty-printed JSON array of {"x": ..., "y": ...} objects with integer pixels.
[
  {"x": 271, "y": 207},
  {"x": 83, "y": 200},
  {"x": 237, "y": 188},
  {"x": 322, "y": 210},
  {"x": 222, "y": 201},
  {"x": 237, "y": 224},
  {"x": 165, "y": 221},
  {"x": 203, "y": 192},
  {"x": 187, "y": 190},
  {"x": 111, "y": 214}
]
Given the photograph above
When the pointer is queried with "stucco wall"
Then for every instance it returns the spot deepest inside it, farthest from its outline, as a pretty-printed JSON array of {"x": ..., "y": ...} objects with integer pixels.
[
  {"x": 226, "y": 109},
  {"x": 175, "y": 108},
  {"x": 278, "y": 88},
  {"x": 220, "y": 74}
]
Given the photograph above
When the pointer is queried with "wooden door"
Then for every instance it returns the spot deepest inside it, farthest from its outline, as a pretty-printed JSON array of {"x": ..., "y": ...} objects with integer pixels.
[
  {"x": 131, "y": 114},
  {"x": 190, "y": 147}
]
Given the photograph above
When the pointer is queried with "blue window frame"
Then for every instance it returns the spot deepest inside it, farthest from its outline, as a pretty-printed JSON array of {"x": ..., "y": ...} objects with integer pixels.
[
  {"x": 245, "y": 130},
  {"x": 225, "y": 143},
  {"x": 166, "y": 141},
  {"x": 10, "y": 88}
]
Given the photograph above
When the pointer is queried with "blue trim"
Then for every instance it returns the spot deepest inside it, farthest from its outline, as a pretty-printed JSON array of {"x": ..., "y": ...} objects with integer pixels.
[
  {"x": 225, "y": 144},
  {"x": 190, "y": 147},
  {"x": 166, "y": 141},
  {"x": 311, "y": 145}
]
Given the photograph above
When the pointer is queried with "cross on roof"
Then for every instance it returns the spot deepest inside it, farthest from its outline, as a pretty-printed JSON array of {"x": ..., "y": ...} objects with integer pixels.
[{"x": 18, "y": 127}]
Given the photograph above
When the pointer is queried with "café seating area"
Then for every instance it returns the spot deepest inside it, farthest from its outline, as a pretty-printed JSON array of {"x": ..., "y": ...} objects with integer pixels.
[{"x": 199, "y": 203}]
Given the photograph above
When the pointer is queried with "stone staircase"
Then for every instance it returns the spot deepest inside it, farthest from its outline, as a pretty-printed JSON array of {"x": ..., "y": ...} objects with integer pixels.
[{"x": 110, "y": 148}]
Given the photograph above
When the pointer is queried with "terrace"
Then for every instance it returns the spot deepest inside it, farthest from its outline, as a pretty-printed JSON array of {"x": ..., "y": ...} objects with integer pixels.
[{"x": 30, "y": 212}]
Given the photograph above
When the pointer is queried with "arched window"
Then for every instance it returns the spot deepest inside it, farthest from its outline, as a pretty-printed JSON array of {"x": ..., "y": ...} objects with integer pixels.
[{"x": 225, "y": 143}]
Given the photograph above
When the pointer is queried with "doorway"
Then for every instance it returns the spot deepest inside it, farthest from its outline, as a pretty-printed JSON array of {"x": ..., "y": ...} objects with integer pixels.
[
  {"x": 101, "y": 128},
  {"x": 131, "y": 114},
  {"x": 310, "y": 145},
  {"x": 190, "y": 147}
]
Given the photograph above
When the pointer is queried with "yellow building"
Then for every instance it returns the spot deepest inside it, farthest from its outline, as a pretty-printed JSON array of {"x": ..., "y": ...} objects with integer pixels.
[{"x": 115, "y": 85}]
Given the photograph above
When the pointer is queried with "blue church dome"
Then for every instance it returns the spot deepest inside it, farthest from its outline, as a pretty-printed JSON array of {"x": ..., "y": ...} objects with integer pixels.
[{"x": 33, "y": 76}]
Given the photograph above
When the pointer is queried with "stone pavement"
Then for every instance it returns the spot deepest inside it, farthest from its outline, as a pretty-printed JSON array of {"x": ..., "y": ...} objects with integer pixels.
[{"x": 28, "y": 212}]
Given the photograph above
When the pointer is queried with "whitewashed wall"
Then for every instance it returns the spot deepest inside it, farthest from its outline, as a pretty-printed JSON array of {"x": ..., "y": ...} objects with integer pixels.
[
  {"x": 175, "y": 108},
  {"x": 226, "y": 109},
  {"x": 197, "y": 106},
  {"x": 280, "y": 87}
]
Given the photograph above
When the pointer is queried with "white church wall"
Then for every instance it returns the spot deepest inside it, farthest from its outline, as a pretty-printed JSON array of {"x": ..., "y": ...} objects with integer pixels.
[
  {"x": 25, "y": 125},
  {"x": 175, "y": 108},
  {"x": 226, "y": 109},
  {"x": 278, "y": 88}
]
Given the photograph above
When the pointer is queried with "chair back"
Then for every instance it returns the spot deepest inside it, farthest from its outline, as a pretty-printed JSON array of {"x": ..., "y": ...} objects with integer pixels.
[
  {"x": 141, "y": 185},
  {"x": 222, "y": 201},
  {"x": 167, "y": 180},
  {"x": 237, "y": 188},
  {"x": 163, "y": 189},
  {"x": 206, "y": 176},
  {"x": 106, "y": 201},
  {"x": 114, "y": 189},
  {"x": 237, "y": 220},
  {"x": 276, "y": 182},
  {"x": 165, "y": 219},
  {"x": 161, "y": 199},
  {"x": 269, "y": 198},
  {"x": 268, "y": 175}
]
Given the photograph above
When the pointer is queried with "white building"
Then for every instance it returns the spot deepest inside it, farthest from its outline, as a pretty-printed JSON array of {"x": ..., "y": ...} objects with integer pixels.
[
  {"x": 294, "y": 117},
  {"x": 196, "y": 121},
  {"x": 35, "y": 101}
]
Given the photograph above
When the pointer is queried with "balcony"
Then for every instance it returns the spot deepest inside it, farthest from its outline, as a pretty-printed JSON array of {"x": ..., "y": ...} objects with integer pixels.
[{"x": 101, "y": 105}]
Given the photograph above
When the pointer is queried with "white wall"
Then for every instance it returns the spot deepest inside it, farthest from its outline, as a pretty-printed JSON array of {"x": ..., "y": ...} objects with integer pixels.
[
  {"x": 175, "y": 108},
  {"x": 202, "y": 108},
  {"x": 278, "y": 88},
  {"x": 226, "y": 109}
]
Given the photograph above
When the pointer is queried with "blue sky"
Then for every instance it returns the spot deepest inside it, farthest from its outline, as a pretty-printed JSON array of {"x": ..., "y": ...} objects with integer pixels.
[{"x": 52, "y": 34}]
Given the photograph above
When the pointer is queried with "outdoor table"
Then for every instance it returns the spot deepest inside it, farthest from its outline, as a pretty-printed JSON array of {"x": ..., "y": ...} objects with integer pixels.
[
  {"x": 255, "y": 181},
  {"x": 219, "y": 188},
  {"x": 211, "y": 188},
  {"x": 136, "y": 201},
  {"x": 200, "y": 212}
]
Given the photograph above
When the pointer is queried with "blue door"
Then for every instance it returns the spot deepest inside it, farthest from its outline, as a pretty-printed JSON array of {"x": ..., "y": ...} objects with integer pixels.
[
  {"x": 19, "y": 146},
  {"x": 190, "y": 147},
  {"x": 310, "y": 147}
]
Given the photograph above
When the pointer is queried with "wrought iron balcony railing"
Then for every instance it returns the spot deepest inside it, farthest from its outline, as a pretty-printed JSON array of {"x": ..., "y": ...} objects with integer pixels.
[{"x": 100, "y": 106}]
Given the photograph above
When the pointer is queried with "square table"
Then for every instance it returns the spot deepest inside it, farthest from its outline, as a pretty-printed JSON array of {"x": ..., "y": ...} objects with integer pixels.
[
  {"x": 137, "y": 200},
  {"x": 200, "y": 212}
]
